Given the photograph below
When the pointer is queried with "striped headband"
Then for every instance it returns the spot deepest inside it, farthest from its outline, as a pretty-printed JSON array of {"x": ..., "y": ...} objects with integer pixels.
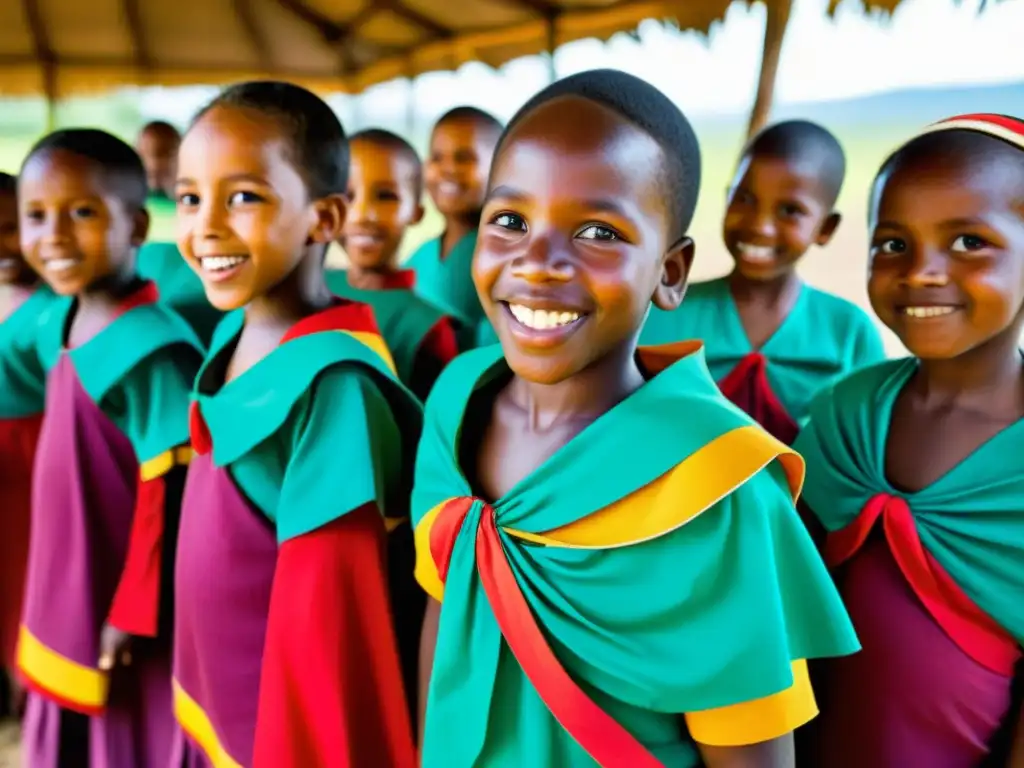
[{"x": 1009, "y": 129}]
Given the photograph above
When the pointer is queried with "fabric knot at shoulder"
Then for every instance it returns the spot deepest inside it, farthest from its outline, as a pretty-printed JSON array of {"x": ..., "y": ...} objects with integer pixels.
[{"x": 603, "y": 738}]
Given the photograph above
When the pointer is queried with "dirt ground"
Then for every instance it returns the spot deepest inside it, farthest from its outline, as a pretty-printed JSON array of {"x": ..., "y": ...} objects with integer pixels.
[{"x": 8, "y": 745}]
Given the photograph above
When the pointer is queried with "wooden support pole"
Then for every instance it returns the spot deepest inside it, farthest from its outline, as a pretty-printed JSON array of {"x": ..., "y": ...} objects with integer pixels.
[{"x": 774, "y": 32}]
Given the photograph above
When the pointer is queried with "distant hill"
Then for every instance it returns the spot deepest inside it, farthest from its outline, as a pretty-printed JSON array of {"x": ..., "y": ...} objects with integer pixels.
[{"x": 900, "y": 108}]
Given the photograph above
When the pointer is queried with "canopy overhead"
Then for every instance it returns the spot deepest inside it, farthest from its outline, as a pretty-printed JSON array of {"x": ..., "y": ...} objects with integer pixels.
[{"x": 61, "y": 48}]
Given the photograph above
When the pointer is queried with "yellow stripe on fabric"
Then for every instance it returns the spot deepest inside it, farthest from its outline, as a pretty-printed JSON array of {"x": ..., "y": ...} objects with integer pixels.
[
  {"x": 680, "y": 495},
  {"x": 160, "y": 465},
  {"x": 196, "y": 723},
  {"x": 426, "y": 569},
  {"x": 752, "y": 722},
  {"x": 376, "y": 344},
  {"x": 59, "y": 675},
  {"x": 662, "y": 506}
]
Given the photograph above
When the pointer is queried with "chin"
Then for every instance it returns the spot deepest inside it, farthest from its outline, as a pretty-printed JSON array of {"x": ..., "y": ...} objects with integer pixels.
[{"x": 227, "y": 300}]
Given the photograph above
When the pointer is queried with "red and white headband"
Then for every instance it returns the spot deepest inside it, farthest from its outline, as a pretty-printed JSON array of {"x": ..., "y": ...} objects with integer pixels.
[{"x": 1009, "y": 129}]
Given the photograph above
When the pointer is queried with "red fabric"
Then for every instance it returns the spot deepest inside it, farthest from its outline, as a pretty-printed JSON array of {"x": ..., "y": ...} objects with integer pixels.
[
  {"x": 974, "y": 631},
  {"x": 747, "y": 386},
  {"x": 198, "y": 432},
  {"x": 18, "y": 438},
  {"x": 1007, "y": 123},
  {"x": 400, "y": 280},
  {"x": 136, "y": 606},
  {"x": 599, "y": 734},
  {"x": 440, "y": 342},
  {"x": 331, "y": 691},
  {"x": 147, "y": 294},
  {"x": 345, "y": 315}
]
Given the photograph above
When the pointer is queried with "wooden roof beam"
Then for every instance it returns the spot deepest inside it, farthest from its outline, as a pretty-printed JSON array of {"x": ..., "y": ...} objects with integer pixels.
[
  {"x": 140, "y": 49},
  {"x": 433, "y": 28},
  {"x": 777, "y": 13},
  {"x": 329, "y": 30},
  {"x": 257, "y": 40},
  {"x": 543, "y": 8}
]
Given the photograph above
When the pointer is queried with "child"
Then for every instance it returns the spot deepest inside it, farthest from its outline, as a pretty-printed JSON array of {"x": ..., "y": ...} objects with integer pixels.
[
  {"x": 625, "y": 579},
  {"x": 385, "y": 185},
  {"x": 157, "y": 145},
  {"x": 23, "y": 301},
  {"x": 109, "y": 466},
  {"x": 772, "y": 342},
  {"x": 928, "y": 448},
  {"x": 285, "y": 653},
  {"x": 461, "y": 147},
  {"x": 159, "y": 260}
]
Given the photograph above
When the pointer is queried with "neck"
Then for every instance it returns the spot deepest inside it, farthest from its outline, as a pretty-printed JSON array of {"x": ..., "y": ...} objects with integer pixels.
[
  {"x": 111, "y": 289},
  {"x": 302, "y": 293},
  {"x": 370, "y": 279},
  {"x": 779, "y": 290},
  {"x": 457, "y": 227},
  {"x": 988, "y": 378},
  {"x": 584, "y": 396}
]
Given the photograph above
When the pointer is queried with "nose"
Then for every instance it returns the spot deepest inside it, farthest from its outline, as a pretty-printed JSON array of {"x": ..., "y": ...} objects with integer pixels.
[
  {"x": 544, "y": 260},
  {"x": 57, "y": 228},
  {"x": 211, "y": 221},
  {"x": 926, "y": 268},
  {"x": 761, "y": 223}
]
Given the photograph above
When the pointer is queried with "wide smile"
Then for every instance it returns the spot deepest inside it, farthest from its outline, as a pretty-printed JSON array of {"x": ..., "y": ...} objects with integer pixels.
[
  {"x": 755, "y": 254},
  {"x": 220, "y": 267},
  {"x": 542, "y": 326},
  {"x": 59, "y": 266},
  {"x": 363, "y": 240},
  {"x": 927, "y": 311}
]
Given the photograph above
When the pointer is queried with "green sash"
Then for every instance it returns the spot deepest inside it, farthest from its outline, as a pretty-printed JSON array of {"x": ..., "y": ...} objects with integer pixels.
[{"x": 22, "y": 376}]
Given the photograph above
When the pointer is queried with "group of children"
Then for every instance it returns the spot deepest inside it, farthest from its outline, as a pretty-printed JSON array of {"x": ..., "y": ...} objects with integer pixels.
[{"x": 233, "y": 480}]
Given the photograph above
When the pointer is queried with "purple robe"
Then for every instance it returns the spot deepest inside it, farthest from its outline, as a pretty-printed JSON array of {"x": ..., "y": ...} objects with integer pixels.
[
  {"x": 911, "y": 697},
  {"x": 84, "y": 489},
  {"x": 227, "y": 555}
]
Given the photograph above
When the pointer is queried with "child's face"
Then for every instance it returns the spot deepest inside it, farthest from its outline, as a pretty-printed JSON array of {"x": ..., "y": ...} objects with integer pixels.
[
  {"x": 573, "y": 241},
  {"x": 383, "y": 201},
  {"x": 75, "y": 229},
  {"x": 245, "y": 220},
  {"x": 13, "y": 268},
  {"x": 159, "y": 152},
  {"x": 776, "y": 212},
  {"x": 946, "y": 270},
  {"x": 455, "y": 173}
]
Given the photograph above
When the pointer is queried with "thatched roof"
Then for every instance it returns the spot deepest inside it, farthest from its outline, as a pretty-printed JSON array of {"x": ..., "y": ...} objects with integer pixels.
[{"x": 65, "y": 47}]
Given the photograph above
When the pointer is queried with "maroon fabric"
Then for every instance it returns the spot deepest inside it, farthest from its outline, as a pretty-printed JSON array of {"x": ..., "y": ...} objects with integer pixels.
[
  {"x": 911, "y": 697},
  {"x": 18, "y": 438},
  {"x": 227, "y": 555},
  {"x": 747, "y": 386},
  {"x": 83, "y": 500}
]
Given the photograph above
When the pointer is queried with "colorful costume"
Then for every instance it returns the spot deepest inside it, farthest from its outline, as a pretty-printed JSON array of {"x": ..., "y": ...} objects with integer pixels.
[
  {"x": 106, "y": 485},
  {"x": 822, "y": 339},
  {"x": 419, "y": 336},
  {"x": 932, "y": 580},
  {"x": 19, "y": 432},
  {"x": 180, "y": 287},
  {"x": 448, "y": 283},
  {"x": 589, "y": 613},
  {"x": 284, "y": 645}
]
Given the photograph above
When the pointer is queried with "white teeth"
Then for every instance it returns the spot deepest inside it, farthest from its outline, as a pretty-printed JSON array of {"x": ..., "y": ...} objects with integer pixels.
[
  {"x": 932, "y": 311},
  {"x": 448, "y": 188},
  {"x": 362, "y": 241},
  {"x": 220, "y": 263},
  {"x": 542, "y": 319},
  {"x": 756, "y": 252},
  {"x": 6, "y": 264},
  {"x": 60, "y": 265}
]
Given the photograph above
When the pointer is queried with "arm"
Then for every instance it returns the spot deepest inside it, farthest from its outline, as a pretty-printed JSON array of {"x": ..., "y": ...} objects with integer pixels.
[
  {"x": 438, "y": 348},
  {"x": 776, "y": 753},
  {"x": 428, "y": 642},
  {"x": 330, "y": 688},
  {"x": 151, "y": 405}
]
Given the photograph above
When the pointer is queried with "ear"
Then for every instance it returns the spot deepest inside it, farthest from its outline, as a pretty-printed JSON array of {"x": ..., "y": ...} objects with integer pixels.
[
  {"x": 140, "y": 227},
  {"x": 329, "y": 219},
  {"x": 675, "y": 272},
  {"x": 828, "y": 228},
  {"x": 417, "y": 215}
]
